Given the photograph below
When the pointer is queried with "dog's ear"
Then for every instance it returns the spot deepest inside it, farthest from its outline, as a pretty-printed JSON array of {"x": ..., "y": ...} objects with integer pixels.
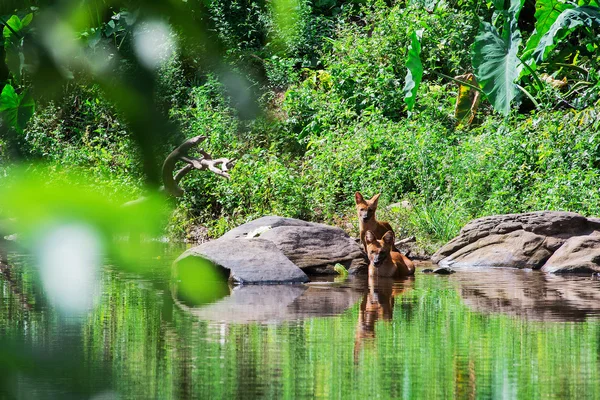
[
  {"x": 374, "y": 200},
  {"x": 388, "y": 238},
  {"x": 369, "y": 237},
  {"x": 358, "y": 198}
]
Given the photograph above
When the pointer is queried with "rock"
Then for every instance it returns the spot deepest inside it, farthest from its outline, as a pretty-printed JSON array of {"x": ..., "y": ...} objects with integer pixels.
[
  {"x": 519, "y": 241},
  {"x": 580, "y": 254},
  {"x": 279, "y": 249},
  {"x": 315, "y": 248},
  {"x": 249, "y": 261},
  {"x": 271, "y": 220},
  {"x": 444, "y": 271}
]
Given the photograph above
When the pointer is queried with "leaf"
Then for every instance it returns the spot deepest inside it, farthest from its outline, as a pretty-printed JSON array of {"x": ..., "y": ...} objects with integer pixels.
[
  {"x": 12, "y": 26},
  {"x": 467, "y": 100},
  {"x": 546, "y": 12},
  {"x": 415, "y": 70},
  {"x": 16, "y": 109},
  {"x": 495, "y": 60},
  {"x": 567, "y": 22},
  {"x": 13, "y": 44}
]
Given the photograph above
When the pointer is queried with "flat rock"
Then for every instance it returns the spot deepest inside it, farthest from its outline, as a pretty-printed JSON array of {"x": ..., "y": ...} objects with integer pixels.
[
  {"x": 523, "y": 241},
  {"x": 249, "y": 261}
]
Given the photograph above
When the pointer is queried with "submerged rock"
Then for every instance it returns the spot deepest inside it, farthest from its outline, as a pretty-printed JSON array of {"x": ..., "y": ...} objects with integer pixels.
[
  {"x": 443, "y": 271},
  {"x": 559, "y": 242}
]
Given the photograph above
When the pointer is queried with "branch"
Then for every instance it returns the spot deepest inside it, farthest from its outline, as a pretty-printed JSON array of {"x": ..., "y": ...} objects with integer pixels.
[{"x": 219, "y": 166}]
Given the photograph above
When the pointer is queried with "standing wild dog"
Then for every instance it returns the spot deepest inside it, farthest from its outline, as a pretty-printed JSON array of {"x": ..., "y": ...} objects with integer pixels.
[
  {"x": 384, "y": 260},
  {"x": 366, "y": 218}
]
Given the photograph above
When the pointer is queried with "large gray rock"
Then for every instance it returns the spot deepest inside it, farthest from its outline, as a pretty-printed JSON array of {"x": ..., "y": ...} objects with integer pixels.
[
  {"x": 315, "y": 248},
  {"x": 249, "y": 261},
  {"x": 522, "y": 241}
]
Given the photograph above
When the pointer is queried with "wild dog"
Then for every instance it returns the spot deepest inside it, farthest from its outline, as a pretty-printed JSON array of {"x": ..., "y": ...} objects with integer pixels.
[
  {"x": 384, "y": 259},
  {"x": 366, "y": 218}
]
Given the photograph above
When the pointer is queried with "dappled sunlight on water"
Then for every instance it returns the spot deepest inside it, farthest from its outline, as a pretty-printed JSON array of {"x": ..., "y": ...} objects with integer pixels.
[{"x": 484, "y": 333}]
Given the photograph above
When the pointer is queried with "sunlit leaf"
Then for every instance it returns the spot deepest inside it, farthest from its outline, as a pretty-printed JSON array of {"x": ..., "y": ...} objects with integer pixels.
[
  {"x": 13, "y": 44},
  {"x": 567, "y": 22},
  {"x": 16, "y": 109},
  {"x": 414, "y": 72},
  {"x": 546, "y": 12}
]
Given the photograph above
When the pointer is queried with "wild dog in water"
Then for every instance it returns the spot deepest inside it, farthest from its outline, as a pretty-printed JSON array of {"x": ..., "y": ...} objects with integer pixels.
[
  {"x": 366, "y": 218},
  {"x": 384, "y": 259}
]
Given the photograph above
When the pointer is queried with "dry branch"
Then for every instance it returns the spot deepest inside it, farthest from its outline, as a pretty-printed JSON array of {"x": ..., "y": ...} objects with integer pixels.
[{"x": 219, "y": 166}]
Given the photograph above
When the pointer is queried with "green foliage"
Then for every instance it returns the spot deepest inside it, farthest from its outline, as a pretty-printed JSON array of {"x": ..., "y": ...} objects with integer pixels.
[
  {"x": 546, "y": 12},
  {"x": 14, "y": 32},
  {"x": 566, "y": 23},
  {"x": 16, "y": 109},
  {"x": 415, "y": 71},
  {"x": 495, "y": 59}
]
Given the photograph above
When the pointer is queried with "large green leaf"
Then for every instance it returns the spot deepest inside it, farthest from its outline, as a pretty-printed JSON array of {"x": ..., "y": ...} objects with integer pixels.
[
  {"x": 13, "y": 32},
  {"x": 414, "y": 72},
  {"x": 16, "y": 109},
  {"x": 495, "y": 59},
  {"x": 546, "y": 13},
  {"x": 567, "y": 22}
]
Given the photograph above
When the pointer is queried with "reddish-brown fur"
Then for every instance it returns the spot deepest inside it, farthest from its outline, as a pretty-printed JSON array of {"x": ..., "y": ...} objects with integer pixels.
[
  {"x": 366, "y": 218},
  {"x": 384, "y": 260}
]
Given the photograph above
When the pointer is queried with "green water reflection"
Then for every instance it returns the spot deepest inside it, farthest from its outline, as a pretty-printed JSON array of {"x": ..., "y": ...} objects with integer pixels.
[{"x": 429, "y": 337}]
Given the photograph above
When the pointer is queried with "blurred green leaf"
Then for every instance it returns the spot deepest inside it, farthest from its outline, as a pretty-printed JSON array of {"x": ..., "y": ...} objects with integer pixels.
[
  {"x": 198, "y": 281},
  {"x": 44, "y": 198}
]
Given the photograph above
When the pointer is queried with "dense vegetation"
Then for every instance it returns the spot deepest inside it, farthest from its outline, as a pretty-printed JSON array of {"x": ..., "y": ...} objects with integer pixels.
[{"x": 329, "y": 112}]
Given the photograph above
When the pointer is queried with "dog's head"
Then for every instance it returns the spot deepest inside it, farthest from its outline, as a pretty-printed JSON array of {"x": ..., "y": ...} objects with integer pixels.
[
  {"x": 379, "y": 250},
  {"x": 366, "y": 208}
]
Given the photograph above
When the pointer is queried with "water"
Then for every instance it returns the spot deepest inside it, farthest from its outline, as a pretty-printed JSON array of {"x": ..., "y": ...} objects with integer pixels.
[{"x": 483, "y": 333}]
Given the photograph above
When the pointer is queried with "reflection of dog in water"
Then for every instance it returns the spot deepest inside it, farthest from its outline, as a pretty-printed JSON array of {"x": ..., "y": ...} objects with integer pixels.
[{"x": 377, "y": 303}]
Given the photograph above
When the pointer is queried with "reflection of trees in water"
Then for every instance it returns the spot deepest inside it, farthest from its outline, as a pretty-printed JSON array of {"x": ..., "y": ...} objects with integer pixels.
[{"x": 378, "y": 304}]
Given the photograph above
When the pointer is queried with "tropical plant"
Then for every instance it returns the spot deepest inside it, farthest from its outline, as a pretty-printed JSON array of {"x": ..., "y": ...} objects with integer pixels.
[
  {"x": 16, "y": 104},
  {"x": 499, "y": 68}
]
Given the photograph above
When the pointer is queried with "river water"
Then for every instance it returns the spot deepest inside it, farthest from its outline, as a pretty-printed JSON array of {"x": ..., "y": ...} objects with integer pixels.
[{"x": 480, "y": 333}]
